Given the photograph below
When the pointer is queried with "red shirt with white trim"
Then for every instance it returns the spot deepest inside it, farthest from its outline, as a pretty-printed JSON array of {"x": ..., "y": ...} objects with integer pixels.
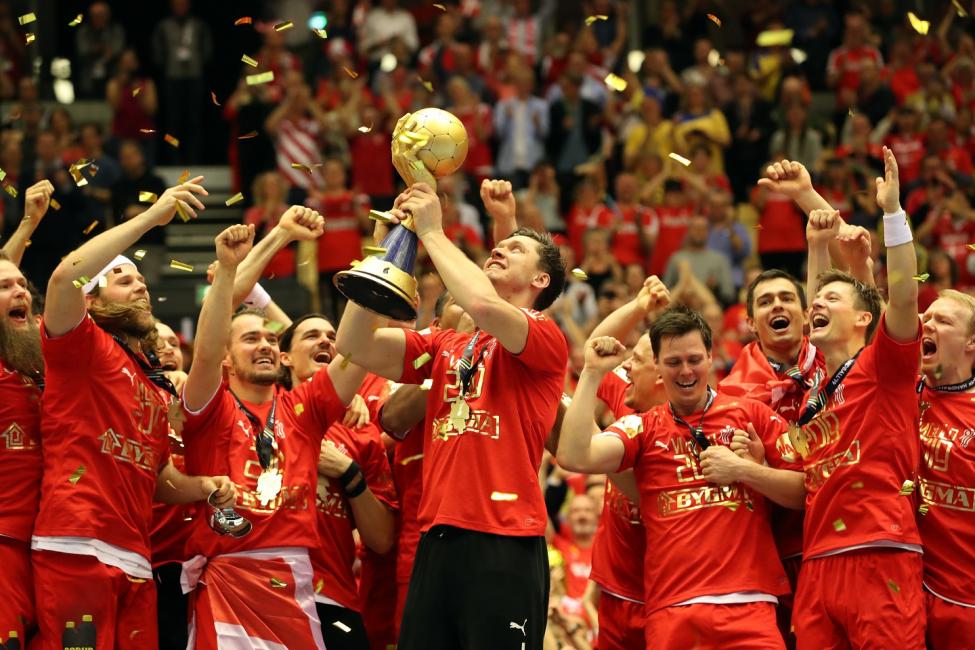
[
  {"x": 578, "y": 564},
  {"x": 20, "y": 453},
  {"x": 105, "y": 435},
  {"x": 220, "y": 441},
  {"x": 946, "y": 484},
  {"x": 408, "y": 476},
  {"x": 670, "y": 224},
  {"x": 858, "y": 451},
  {"x": 620, "y": 538},
  {"x": 627, "y": 246},
  {"x": 342, "y": 241},
  {"x": 333, "y": 557},
  {"x": 482, "y": 474},
  {"x": 706, "y": 540}
]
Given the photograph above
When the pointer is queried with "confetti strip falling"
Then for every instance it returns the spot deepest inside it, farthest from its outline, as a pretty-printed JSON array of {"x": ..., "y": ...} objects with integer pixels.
[
  {"x": 147, "y": 197},
  {"x": 248, "y": 136},
  {"x": 374, "y": 250},
  {"x": 55, "y": 204},
  {"x": 299, "y": 408},
  {"x": 342, "y": 626},
  {"x": 262, "y": 78},
  {"x": 11, "y": 190},
  {"x": 77, "y": 21},
  {"x": 81, "y": 281},
  {"x": 213, "y": 96},
  {"x": 923, "y": 277},
  {"x": 274, "y": 326},
  {"x": 365, "y": 129},
  {"x": 180, "y": 266},
  {"x": 615, "y": 82},
  {"x": 278, "y": 584},
  {"x": 90, "y": 227},
  {"x": 503, "y": 496},
  {"x": 351, "y": 73},
  {"x": 26, "y": 18},
  {"x": 591, "y": 19},
  {"x": 171, "y": 141},
  {"x": 280, "y": 27},
  {"x": 579, "y": 274},
  {"x": 139, "y": 254},
  {"x": 303, "y": 167},
  {"x": 679, "y": 158},
  {"x": 426, "y": 84},
  {"x": 714, "y": 19},
  {"x": 147, "y": 130},
  {"x": 244, "y": 20},
  {"x": 185, "y": 176},
  {"x": 30, "y": 38},
  {"x": 421, "y": 360},
  {"x": 919, "y": 26},
  {"x": 249, "y": 61},
  {"x": 78, "y": 473},
  {"x": 236, "y": 198},
  {"x": 136, "y": 91},
  {"x": 321, "y": 33}
]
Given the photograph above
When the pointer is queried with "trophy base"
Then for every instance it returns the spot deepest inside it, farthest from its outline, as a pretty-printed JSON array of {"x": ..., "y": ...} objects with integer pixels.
[{"x": 380, "y": 287}]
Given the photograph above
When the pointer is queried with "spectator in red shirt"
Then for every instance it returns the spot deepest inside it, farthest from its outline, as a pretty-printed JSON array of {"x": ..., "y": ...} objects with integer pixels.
[
  {"x": 843, "y": 66},
  {"x": 477, "y": 118},
  {"x": 671, "y": 220},
  {"x": 631, "y": 225},
  {"x": 782, "y": 234},
  {"x": 588, "y": 211},
  {"x": 941, "y": 143},
  {"x": 372, "y": 166},
  {"x": 901, "y": 72},
  {"x": 269, "y": 192},
  {"x": 907, "y": 143},
  {"x": 574, "y": 541}
]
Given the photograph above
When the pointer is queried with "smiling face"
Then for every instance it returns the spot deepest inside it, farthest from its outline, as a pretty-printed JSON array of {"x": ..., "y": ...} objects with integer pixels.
[
  {"x": 777, "y": 316},
  {"x": 685, "y": 363},
  {"x": 646, "y": 387},
  {"x": 312, "y": 348},
  {"x": 253, "y": 356},
  {"x": 834, "y": 317},
  {"x": 947, "y": 338},
  {"x": 168, "y": 351},
  {"x": 15, "y": 299}
]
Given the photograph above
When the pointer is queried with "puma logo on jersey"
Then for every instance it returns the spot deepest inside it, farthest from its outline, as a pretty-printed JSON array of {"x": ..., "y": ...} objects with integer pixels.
[
  {"x": 515, "y": 626},
  {"x": 966, "y": 437},
  {"x": 128, "y": 373},
  {"x": 787, "y": 407}
]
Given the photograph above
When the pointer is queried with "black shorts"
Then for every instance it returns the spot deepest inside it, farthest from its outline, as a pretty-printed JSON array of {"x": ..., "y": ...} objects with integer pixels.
[
  {"x": 171, "y": 607},
  {"x": 475, "y": 590},
  {"x": 349, "y": 634}
]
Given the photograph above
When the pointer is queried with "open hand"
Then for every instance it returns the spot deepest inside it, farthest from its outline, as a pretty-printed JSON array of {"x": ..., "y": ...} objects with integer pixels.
[
  {"x": 889, "y": 187},
  {"x": 185, "y": 195}
]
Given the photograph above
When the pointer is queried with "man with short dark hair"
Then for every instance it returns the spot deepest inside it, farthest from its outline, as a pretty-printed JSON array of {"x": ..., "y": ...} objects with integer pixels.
[
  {"x": 713, "y": 563},
  {"x": 482, "y": 510}
]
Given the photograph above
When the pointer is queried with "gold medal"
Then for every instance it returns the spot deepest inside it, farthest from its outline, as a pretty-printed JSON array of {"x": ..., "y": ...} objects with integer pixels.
[
  {"x": 459, "y": 413},
  {"x": 176, "y": 416},
  {"x": 799, "y": 440},
  {"x": 268, "y": 486}
]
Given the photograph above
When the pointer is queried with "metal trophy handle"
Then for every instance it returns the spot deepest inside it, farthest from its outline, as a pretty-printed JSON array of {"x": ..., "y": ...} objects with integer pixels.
[{"x": 227, "y": 521}]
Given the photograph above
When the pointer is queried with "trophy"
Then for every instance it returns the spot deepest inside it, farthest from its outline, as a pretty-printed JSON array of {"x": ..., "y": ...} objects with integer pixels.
[{"x": 427, "y": 145}]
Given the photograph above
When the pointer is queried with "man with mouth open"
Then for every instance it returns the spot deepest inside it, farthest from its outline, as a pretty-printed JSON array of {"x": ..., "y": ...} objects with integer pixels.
[
  {"x": 860, "y": 584},
  {"x": 946, "y": 478},
  {"x": 105, "y": 418},
  {"x": 21, "y": 375},
  {"x": 713, "y": 575}
]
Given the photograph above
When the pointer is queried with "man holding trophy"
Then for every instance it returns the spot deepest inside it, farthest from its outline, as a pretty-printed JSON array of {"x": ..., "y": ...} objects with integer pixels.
[{"x": 480, "y": 579}]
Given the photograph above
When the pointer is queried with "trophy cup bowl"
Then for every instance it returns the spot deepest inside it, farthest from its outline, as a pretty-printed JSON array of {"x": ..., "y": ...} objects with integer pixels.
[{"x": 385, "y": 284}]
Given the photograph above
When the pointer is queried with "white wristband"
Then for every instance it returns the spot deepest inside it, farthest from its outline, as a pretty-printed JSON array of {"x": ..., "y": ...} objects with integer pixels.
[
  {"x": 258, "y": 297},
  {"x": 896, "y": 229}
]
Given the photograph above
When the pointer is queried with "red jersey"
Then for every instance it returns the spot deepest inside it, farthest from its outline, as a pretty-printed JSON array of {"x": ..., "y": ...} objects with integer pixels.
[
  {"x": 954, "y": 237},
  {"x": 171, "y": 523},
  {"x": 20, "y": 453},
  {"x": 627, "y": 246},
  {"x": 220, "y": 440},
  {"x": 946, "y": 484},
  {"x": 706, "y": 540},
  {"x": 332, "y": 558},
  {"x": 283, "y": 264},
  {"x": 372, "y": 166},
  {"x": 408, "y": 476},
  {"x": 580, "y": 221},
  {"x": 781, "y": 389},
  {"x": 482, "y": 473},
  {"x": 782, "y": 226},
  {"x": 578, "y": 564},
  {"x": 858, "y": 451},
  {"x": 342, "y": 241},
  {"x": 620, "y": 537},
  {"x": 845, "y": 63},
  {"x": 670, "y": 224},
  {"x": 105, "y": 435}
]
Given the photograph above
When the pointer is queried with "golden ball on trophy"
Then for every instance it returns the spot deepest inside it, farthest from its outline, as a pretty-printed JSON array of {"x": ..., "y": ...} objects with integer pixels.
[{"x": 446, "y": 146}]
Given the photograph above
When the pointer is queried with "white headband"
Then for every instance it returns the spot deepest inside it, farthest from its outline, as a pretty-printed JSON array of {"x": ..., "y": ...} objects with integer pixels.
[{"x": 117, "y": 262}]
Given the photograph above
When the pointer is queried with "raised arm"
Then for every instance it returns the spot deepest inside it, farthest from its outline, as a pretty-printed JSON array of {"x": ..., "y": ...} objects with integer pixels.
[
  {"x": 36, "y": 202},
  {"x": 499, "y": 201},
  {"x": 901, "y": 318},
  {"x": 578, "y": 450},
  {"x": 404, "y": 409},
  {"x": 471, "y": 288},
  {"x": 821, "y": 229},
  {"x": 65, "y": 304},
  {"x": 653, "y": 297},
  {"x": 213, "y": 328}
]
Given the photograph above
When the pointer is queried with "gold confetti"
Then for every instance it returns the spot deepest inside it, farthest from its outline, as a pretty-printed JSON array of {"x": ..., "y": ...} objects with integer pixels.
[
  {"x": 365, "y": 129},
  {"x": 11, "y": 190},
  {"x": 181, "y": 211},
  {"x": 970, "y": 247},
  {"x": 136, "y": 91},
  {"x": 30, "y": 38},
  {"x": 304, "y": 262},
  {"x": 714, "y": 19},
  {"x": 258, "y": 79},
  {"x": 139, "y": 254},
  {"x": 213, "y": 97},
  {"x": 26, "y": 18},
  {"x": 893, "y": 586},
  {"x": 280, "y": 27},
  {"x": 774, "y": 38},
  {"x": 342, "y": 626},
  {"x": 90, "y": 227},
  {"x": 93, "y": 170},
  {"x": 55, "y": 204},
  {"x": 3, "y": 174},
  {"x": 959, "y": 9},
  {"x": 78, "y": 473},
  {"x": 171, "y": 141},
  {"x": 410, "y": 459},
  {"x": 77, "y": 21},
  {"x": 299, "y": 408},
  {"x": 303, "y": 167},
  {"x": 421, "y": 360},
  {"x": 236, "y": 198},
  {"x": 579, "y": 274},
  {"x": 345, "y": 362},
  {"x": 244, "y": 20},
  {"x": 185, "y": 176},
  {"x": 733, "y": 506},
  {"x": 907, "y": 488},
  {"x": 133, "y": 633},
  {"x": 278, "y": 584},
  {"x": 319, "y": 586},
  {"x": 147, "y": 197},
  {"x": 839, "y": 526},
  {"x": 374, "y": 250},
  {"x": 504, "y": 496},
  {"x": 103, "y": 282},
  {"x": 378, "y": 215},
  {"x": 858, "y": 485},
  {"x": 180, "y": 266},
  {"x": 248, "y": 136},
  {"x": 920, "y": 26},
  {"x": 274, "y": 326},
  {"x": 80, "y": 282},
  {"x": 249, "y": 61},
  {"x": 923, "y": 277},
  {"x": 591, "y": 19},
  {"x": 320, "y": 33},
  {"x": 427, "y": 384},
  {"x": 351, "y": 73},
  {"x": 679, "y": 158},
  {"x": 615, "y": 82},
  {"x": 135, "y": 580},
  {"x": 147, "y": 131},
  {"x": 923, "y": 509},
  {"x": 426, "y": 84}
]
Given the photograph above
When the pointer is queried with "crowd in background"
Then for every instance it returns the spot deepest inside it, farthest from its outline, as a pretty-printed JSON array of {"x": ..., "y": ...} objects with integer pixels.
[{"x": 728, "y": 87}]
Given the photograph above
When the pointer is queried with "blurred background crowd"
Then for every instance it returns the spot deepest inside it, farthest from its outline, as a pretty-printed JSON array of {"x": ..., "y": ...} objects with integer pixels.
[{"x": 142, "y": 92}]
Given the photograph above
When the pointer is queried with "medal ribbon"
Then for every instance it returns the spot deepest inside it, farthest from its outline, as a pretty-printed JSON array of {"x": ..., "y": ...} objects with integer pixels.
[
  {"x": 793, "y": 373},
  {"x": 265, "y": 443},
  {"x": 960, "y": 387},
  {"x": 818, "y": 398},
  {"x": 697, "y": 433},
  {"x": 152, "y": 370},
  {"x": 467, "y": 365}
]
